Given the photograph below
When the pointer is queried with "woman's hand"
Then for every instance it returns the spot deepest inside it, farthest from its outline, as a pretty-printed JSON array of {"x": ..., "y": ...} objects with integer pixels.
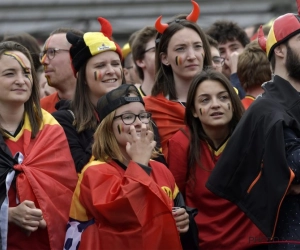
[
  {"x": 141, "y": 147},
  {"x": 182, "y": 220},
  {"x": 26, "y": 216}
]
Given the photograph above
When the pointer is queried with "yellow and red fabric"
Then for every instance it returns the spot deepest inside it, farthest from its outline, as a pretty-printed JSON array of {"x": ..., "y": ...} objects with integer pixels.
[
  {"x": 247, "y": 101},
  {"x": 91, "y": 44},
  {"x": 118, "y": 209},
  {"x": 47, "y": 177}
]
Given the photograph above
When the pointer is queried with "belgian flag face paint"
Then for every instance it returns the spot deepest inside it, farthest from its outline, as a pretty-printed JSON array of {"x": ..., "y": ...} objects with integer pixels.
[
  {"x": 26, "y": 70},
  {"x": 178, "y": 60},
  {"x": 97, "y": 75},
  {"x": 120, "y": 128},
  {"x": 228, "y": 105}
]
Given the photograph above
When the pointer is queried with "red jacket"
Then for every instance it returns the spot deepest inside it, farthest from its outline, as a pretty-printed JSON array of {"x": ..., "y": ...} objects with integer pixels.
[{"x": 221, "y": 224}]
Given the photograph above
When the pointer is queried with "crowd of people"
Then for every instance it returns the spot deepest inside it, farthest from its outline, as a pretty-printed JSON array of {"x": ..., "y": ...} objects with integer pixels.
[{"x": 184, "y": 138}]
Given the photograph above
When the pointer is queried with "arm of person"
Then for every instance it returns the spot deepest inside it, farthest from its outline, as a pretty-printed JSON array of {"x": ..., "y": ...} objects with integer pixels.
[{"x": 81, "y": 150}]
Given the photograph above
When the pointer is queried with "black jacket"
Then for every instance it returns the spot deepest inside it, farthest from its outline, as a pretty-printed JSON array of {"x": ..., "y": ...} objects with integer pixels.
[
  {"x": 252, "y": 171},
  {"x": 80, "y": 143}
]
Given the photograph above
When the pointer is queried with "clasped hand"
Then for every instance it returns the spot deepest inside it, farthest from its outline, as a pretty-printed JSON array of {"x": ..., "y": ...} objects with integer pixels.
[{"x": 27, "y": 217}]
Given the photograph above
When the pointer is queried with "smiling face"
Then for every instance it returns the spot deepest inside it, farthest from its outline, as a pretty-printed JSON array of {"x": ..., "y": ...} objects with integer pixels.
[
  {"x": 185, "y": 54},
  {"x": 15, "y": 78},
  {"x": 103, "y": 74},
  {"x": 213, "y": 105}
]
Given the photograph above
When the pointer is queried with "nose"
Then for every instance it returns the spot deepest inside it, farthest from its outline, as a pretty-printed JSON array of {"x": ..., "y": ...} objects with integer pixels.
[
  {"x": 21, "y": 78},
  {"x": 137, "y": 122},
  {"x": 191, "y": 53},
  {"x": 215, "y": 102},
  {"x": 109, "y": 69},
  {"x": 44, "y": 60},
  {"x": 214, "y": 66}
]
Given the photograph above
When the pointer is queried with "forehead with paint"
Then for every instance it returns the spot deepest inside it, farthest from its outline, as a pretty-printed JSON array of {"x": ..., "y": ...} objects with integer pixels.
[{"x": 18, "y": 61}]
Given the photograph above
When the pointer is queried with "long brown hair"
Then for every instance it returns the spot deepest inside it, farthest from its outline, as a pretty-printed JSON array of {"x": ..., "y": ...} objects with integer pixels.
[
  {"x": 32, "y": 105},
  {"x": 197, "y": 133}
]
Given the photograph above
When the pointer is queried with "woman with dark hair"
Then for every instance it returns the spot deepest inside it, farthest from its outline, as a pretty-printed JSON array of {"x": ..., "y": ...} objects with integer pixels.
[
  {"x": 182, "y": 51},
  {"x": 37, "y": 176},
  {"x": 96, "y": 61},
  {"x": 213, "y": 110}
]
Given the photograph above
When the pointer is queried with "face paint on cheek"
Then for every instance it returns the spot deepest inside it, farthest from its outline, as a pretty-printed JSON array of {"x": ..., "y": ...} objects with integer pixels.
[
  {"x": 120, "y": 128},
  {"x": 228, "y": 105},
  {"x": 178, "y": 60},
  {"x": 97, "y": 75}
]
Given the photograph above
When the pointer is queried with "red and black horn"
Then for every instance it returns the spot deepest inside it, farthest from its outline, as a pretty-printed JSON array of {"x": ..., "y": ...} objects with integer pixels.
[
  {"x": 262, "y": 41},
  {"x": 193, "y": 17},
  {"x": 106, "y": 27}
]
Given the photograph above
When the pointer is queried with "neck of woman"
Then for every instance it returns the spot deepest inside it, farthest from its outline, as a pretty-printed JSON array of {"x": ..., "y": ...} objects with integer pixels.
[
  {"x": 10, "y": 117},
  {"x": 182, "y": 88},
  {"x": 217, "y": 135}
]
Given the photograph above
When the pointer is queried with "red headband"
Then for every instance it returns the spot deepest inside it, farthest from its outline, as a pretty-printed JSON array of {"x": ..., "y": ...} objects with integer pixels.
[{"x": 193, "y": 17}]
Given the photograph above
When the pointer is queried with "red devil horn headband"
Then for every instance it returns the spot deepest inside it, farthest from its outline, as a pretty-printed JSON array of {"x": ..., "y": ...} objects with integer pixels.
[
  {"x": 262, "y": 41},
  {"x": 106, "y": 27},
  {"x": 193, "y": 17}
]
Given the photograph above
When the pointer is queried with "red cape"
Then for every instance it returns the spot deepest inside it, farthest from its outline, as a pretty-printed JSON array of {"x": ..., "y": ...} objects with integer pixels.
[
  {"x": 131, "y": 209},
  {"x": 168, "y": 116},
  {"x": 47, "y": 177}
]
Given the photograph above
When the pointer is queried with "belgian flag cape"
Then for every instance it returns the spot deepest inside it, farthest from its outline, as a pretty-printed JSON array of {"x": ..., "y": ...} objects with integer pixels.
[{"x": 40, "y": 170}]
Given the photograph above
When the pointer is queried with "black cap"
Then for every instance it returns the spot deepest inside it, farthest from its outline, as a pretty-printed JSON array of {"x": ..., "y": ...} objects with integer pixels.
[{"x": 117, "y": 98}]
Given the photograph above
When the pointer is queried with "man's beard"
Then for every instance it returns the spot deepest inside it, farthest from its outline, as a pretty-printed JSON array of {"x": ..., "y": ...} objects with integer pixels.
[{"x": 292, "y": 63}]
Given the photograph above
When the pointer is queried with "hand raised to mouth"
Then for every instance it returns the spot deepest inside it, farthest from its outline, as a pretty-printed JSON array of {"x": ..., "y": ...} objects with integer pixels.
[{"x": 141, "y": 147}]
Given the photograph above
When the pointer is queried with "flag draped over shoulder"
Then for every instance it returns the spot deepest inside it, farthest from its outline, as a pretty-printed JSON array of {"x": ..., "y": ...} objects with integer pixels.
[
  {"x": 168, "y": 116},
  {"x": 117, "y": 209},
  {"x": 45, "y": 175}
]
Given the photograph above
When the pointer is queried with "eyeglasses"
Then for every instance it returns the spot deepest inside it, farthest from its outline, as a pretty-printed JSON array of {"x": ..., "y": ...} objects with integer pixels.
[
  {"x": 50, "y": 53},
  {"x": 219, "y": 61},
  {"x": 129, "y": 118},
  {"x": 152, "y": 49}
]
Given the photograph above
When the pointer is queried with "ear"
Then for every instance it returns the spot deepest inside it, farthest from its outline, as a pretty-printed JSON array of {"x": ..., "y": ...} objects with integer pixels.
[
  {"x": 164, "y": 58},
  {"x": 126, "y": 72},
  {"x": 280, "y": 50},
  {"x": 140, "y": 63},
  {"x": 194, "y": 113}
]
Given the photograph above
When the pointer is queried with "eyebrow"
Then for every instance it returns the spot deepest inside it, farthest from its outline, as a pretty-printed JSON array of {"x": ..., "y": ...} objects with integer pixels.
[{"x": 221, "y": 92}]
